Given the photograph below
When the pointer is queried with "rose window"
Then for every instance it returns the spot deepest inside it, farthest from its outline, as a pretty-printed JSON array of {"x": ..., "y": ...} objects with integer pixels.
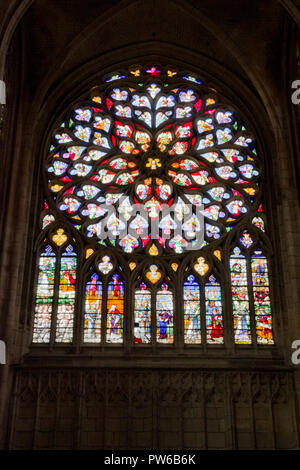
[{"x": 154, "y": 162}]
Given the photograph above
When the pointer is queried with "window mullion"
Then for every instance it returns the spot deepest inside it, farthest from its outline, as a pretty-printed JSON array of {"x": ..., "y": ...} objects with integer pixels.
[
  {"x": 203, "y": 314},
  {"x": 55, "y": 299},
  {"x": 79, "y": 308},
  {"x": 251, "y": 302},
  {"x": 128, "y": 320},
  {"x": 153, "y": 318},
  {"x": 104, "y": 313}
]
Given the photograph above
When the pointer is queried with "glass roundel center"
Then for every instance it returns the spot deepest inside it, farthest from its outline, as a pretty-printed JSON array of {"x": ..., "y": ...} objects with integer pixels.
[{"x": 159, "y": 163}]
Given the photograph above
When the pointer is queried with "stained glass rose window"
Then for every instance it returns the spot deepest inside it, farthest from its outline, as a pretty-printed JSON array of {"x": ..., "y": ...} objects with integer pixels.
[{"x": 155, "y": 161}]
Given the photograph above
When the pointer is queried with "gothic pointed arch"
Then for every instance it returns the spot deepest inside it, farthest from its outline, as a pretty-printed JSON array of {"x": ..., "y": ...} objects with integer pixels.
[{"x": 154, "y": 168}]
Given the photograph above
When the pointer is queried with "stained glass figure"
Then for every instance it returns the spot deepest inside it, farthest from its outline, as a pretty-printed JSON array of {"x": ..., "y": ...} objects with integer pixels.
[
  {"x": 66, "y": 296},
  {"x": 142, "y": 315},
  {"x": 192, "y": 318},
  {"x": 214, "y": 315},
  {"x": 201, "y": 266},
  {"x": 164, "y": 317},
  {"x": 261, "y": 293},
  {"x": 153, "y": 274},
  {"x": 115, "y": 310},
  {"x": 93, "y": 310},
  {"x": 44, "y": 296},
  {"x": 105, "y": 266},
  {"x": 246, "y": 239},
  {"x": 240, "y": 297}
]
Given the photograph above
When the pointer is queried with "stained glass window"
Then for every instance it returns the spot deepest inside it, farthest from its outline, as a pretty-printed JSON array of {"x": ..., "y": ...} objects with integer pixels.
[
  {"x": 192, "y": 318},
  {"x": 66, "y": 296},
  {"x": 115, "y": 310},
  {"x": 261, "y": 292},
  {"x": 142, "y": 315},
  {"x": 214, "y": 316},
  {"x": 111, "y": 149},
  {"x": 93, "y": 310},
  {"x": 104, "y": 302},
  {"x": 203, "y": 304},
  {"x": 154, "y": 187},
  {"x": 240, "y": 297},
  {"x": 44, "y": 296},
  {"x": 164, "y": 315},
  {"x": 55, "y": 307},
  {"x": 153, "y": 303}
]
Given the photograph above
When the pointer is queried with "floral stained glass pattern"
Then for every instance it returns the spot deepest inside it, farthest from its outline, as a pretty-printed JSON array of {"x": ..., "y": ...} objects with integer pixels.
[{"x": 192, "y": 319}]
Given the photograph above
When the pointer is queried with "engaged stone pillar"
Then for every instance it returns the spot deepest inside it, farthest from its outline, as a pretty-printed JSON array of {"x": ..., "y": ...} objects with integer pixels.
[{"x": 2, "y": 103}]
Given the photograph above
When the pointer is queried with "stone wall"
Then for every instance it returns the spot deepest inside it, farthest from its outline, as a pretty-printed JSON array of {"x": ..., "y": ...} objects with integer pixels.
[{"x": 152, "y": 409}]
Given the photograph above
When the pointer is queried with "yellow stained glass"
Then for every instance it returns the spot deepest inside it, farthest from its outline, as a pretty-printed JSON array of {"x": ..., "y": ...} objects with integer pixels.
[
  {"x": 56, "y": 188},
  {"x": 174, "y": 266},
  {"x": 153, "y": 250},
  {"x": 89, "y": 252},
  {"x": 153, "y": 274},
  {"x": 97, "y": 99},
  {"x": 60, "y": 237},
  {"x": 201, "y": 267}
]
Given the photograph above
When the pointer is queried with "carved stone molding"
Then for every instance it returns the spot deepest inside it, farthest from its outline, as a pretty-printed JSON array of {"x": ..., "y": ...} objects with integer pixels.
[
  {"x": 104, "y": 408},
  {"x": 259, "y": 387}
]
